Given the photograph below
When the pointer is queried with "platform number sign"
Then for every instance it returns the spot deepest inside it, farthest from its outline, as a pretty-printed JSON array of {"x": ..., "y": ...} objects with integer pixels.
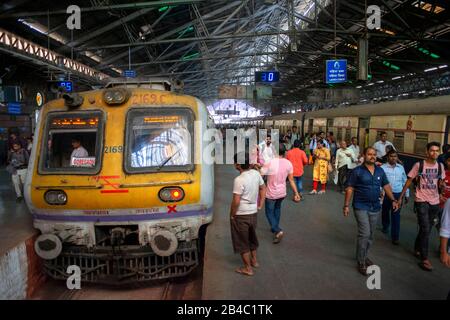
[
  {"x": 336, "y": 71},
  {"x": 67, "y": 85},
  {"x": 267, "y": 76}
]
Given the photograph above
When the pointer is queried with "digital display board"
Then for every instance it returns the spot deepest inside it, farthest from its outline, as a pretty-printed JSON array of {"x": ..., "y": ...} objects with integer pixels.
[
  {"x": 66, "y": 85},
  {"x": 267, "y": 76},
  {"x": 76, "y": 122}
]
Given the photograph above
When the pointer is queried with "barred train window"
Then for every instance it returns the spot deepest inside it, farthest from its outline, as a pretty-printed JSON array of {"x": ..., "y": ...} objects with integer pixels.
[
  {"x": 420, "y": 143},
  {"x": 399, "y": 141},
  {"x": 339, "y": 134},
  {"x": 159, "y": 140},
  {"x": 348, "y": 135},
  {"x": 72, "y": 142}
]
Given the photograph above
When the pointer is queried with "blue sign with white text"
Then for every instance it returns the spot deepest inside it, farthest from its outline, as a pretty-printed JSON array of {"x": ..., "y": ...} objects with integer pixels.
[
  {"x": 129, "y": 73},
  {"x": 336, "y": 71},
  {"x": 14, "y": 108}
]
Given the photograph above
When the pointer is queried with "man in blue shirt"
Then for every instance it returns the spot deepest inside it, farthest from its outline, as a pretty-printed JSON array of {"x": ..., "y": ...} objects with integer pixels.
[
  {"x": 366, "y": 182},
  {"x": 397, "y": 178}
]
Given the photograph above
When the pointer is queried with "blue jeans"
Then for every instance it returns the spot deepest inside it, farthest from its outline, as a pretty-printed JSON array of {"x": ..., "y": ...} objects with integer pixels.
[
  {"x": 273, "y": 213},
  {"x": 388, "y": 215},
  {"x": 299, "y": 184}
]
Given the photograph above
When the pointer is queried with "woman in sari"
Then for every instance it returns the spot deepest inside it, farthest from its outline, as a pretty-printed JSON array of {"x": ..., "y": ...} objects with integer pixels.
[{"x": 320, "y": 171}]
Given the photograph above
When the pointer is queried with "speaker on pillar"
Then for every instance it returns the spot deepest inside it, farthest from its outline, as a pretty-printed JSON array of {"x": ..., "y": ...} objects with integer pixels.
[{"x": 363, "y": 56}]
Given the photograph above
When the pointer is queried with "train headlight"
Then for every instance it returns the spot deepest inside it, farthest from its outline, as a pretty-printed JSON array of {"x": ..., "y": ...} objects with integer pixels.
[
  {"x": 116, "y": 96},
  {"x": 171, "y": 194},
  {"x": 55, "y": 197}
]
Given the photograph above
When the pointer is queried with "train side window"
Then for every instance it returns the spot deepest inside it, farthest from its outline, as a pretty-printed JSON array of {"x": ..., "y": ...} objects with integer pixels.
[
  {"x": 159, "y": 140},
  {"x": 399, "y": 141},
  {"x": 72, "y": 143},
  {"x": 348, "y": 135},
  {"x": 420, "y": 143},
  {"x": 339, "y": 134}
]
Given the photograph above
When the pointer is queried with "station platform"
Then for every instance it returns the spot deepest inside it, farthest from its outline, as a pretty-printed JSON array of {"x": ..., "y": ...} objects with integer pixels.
[
  {"x": 316, "y": 258},
  {"x": 20, "y": 268},
  {"x": 15, "y": 220}
]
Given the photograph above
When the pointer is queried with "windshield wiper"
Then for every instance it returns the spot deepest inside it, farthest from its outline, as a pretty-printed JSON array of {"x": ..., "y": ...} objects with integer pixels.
[{"x": 167, "y": 160}]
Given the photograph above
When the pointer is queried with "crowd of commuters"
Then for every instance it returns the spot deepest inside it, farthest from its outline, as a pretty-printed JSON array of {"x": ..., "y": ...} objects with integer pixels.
[{"x": 374, "y": 177}]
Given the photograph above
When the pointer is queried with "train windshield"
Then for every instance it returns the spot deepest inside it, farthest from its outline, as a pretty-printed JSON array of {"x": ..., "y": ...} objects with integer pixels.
[
  {"x": 159, "y": 140},
  {"x": 72, "y": 143}
]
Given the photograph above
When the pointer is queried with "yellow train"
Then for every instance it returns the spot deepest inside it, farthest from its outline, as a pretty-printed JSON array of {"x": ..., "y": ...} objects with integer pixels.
[
  {"x": 409, "y": 124},
  {"x": 114, "y": 184}
]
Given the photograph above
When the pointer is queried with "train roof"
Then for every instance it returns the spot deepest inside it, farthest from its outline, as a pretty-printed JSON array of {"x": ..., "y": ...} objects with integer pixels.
[{"x": 434, "y": 105}]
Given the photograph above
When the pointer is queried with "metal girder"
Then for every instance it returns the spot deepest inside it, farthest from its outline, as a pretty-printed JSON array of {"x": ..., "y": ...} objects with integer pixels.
[
  {"x": 408, "y": 28},
  {"x": 140, "y": 45},
  {"x": 217, "y": 29},
  {"x": 124, "y": 6},
  {"x": 99, "y": 31},
  {"x": 161, "y": 40},
  {"x": 25, "y": 49}
]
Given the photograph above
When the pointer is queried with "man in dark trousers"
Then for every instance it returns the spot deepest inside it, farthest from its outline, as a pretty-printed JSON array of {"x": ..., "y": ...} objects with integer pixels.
[
  {"x": 428, "y": 175},
  {"x": 366, "y": 181}
]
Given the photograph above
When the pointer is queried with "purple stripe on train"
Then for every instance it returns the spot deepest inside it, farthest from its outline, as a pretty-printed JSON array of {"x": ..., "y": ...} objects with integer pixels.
[{"x": 133, "y": 217}]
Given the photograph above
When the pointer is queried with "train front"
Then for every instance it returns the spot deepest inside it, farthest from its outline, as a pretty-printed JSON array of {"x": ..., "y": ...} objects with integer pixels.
[{"x": 115, "y": 187}]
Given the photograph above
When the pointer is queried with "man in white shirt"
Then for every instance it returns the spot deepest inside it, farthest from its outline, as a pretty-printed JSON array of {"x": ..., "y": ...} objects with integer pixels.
[
  {"x": 380, "y": 146},
  {"x": 267, "y": 149},
  {"x": 243, "y": 213},
  {"x": 356, "y": 151},
  {"x": 294, "y": 135},
  {"x": 78, "y": 150},
  {"x": 344, "y": 158}
]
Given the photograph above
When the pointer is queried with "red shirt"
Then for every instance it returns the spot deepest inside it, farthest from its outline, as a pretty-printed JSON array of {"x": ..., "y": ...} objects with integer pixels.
[
  {"x": 447, "y": 188},
  {"x": 298, "y": 159}
]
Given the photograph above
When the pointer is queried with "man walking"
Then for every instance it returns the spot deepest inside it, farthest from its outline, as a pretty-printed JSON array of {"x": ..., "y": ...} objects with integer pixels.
[
  {"x": 344, "y": 158},
  {"x": 247, "y": 188},
  {"x": 365, "y": 182},
  {"x": 277, "y": 170},
  {"x": 267, "y": 149},
  {"x": 397, "y": 178},
  {"x": 298, "y": 159},
  {"x": 294, "y": 135},
  {"x": 428, "y": 175},
  {"x": 17, "y": 166},
  {"x": 380, "y": 146}
]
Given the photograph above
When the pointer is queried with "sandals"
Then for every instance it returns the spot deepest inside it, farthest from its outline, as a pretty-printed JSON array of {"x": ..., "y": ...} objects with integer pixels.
[
  {"x": 255, "y": 265},
  {"x": 426, "y": 265},
  {"x": 244, "y": 271}
]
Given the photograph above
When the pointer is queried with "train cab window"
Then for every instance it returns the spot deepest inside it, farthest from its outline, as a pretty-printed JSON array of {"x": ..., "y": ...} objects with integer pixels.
[
  {"x": 399, "y": 140},
  {"x": 159, "y": 140},
  {"x": 72, "y": 143}
]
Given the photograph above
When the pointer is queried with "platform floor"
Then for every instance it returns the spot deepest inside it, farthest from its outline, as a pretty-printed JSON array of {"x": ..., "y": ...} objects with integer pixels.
[
  {"x": 15, "y": 220},
  {"x": 315, "y": 259}
]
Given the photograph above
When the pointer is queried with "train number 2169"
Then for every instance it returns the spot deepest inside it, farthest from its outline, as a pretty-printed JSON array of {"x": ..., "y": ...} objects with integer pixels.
[{"x": 113, "y": 149}]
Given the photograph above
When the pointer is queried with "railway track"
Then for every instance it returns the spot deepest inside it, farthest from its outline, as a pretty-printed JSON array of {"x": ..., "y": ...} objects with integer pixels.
[{"x": 185, "y": 288}]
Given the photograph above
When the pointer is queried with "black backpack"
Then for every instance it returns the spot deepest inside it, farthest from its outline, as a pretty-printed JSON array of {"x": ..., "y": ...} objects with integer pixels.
[{"x": 420, "y": 172}]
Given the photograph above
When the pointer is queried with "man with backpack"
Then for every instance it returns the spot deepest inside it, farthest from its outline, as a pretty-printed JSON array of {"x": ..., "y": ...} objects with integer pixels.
[
  {"x": 428, "y": 176},
  {"x": 17, "y": 166}
]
